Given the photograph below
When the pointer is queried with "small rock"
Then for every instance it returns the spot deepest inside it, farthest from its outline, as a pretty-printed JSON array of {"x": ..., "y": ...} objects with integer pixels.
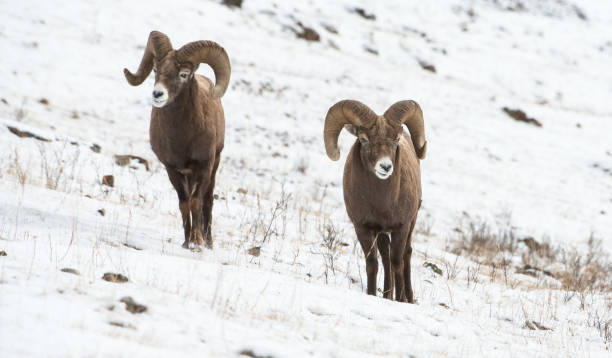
[
  {"x": 427, "y": 66},
  {"x": 133, "y": 306},
  {"x": 70, "y": 270},
  {"x": 216, "y": 196},
  {"x": 241, "y": 191},
  {"x": 519, "y": 115},
  {"x": 108, "y": 180},
  {"x": 44, "y": 101},
  {"x": 75, "y": 115},
  {"x": 371, "y": 50},
  {"x": 578, "y": 125},
  {"x": 433, "y": 268},
  {"x": 330, "y": 28},
  {"x": 252, "y": 354},
  {"x": 102, "y": 212},
  {"x": 307, "y": 33},
  {"x": 95, "y": 148},
  {"x": 114, "y": 277},
  {"x": 132, "y": 246},
  {"x": 255, "y": 251},
  {"x": 232, "y": 3},
  {"x": 121, "y": 324},
  {"x": 361, "y": 12},
  {"x": 3, "y": 253}
]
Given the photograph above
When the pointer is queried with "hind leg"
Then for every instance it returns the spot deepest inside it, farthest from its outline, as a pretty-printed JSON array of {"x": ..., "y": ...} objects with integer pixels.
[
  {"x": 407, "y": 257},
  {"x": 207, "y": 204}
]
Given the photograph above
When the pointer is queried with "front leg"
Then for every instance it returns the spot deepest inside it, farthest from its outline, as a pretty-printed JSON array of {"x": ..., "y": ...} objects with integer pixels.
[
  {"x": 366, "y": 239},
  {"x": 398, "y": 246},
  {"x": 181, "y": 185},
  {"x": 383, "y": 243}
]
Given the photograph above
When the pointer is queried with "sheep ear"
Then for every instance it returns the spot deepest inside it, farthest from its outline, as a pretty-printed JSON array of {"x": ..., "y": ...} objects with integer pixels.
[{"x": 351, "y": 128}]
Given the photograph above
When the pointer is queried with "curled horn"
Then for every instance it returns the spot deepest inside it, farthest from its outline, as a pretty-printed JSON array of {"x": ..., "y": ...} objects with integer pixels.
[
  {"x": 341, "y": 113},
  {"x": 158, "y": 47},
  {"x": 211, "y": 53},
  {"x": 410, "y": 114}
]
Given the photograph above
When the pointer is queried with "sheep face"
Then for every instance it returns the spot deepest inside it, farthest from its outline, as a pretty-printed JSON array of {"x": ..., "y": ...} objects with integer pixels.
[
  {"x": 171, "y": 78},
  {"x": 378, "y": 148}
]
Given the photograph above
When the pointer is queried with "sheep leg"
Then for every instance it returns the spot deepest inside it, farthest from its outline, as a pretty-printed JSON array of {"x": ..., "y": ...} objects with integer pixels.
[
  {"x": 179, "y": 182},
  {"x": 407, "y": 256},
  {"x": 208, "y": 203},
  {"x": 366, "y": 239},
  {"x": 383, "y": 247},
  {"x": 398, "y": 247},
  {"x": 196, "y": 236}
]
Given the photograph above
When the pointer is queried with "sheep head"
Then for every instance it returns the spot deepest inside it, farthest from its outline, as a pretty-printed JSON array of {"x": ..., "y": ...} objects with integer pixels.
[
  {"x": 379, "y": 136},
  {"x": 174, "y": 69}
]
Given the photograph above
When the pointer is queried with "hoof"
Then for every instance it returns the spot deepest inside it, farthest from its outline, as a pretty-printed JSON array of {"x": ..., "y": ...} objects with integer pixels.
[
  {"x": 185, "y": 245},
  {"x": 209, "y": 242},
  {"x": 195, "y": 247},
  {"x": 195, "y": 237}
]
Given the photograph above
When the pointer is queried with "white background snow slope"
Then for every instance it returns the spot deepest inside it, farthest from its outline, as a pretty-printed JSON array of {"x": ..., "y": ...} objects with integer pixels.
[{"x": 277, "y": 189}]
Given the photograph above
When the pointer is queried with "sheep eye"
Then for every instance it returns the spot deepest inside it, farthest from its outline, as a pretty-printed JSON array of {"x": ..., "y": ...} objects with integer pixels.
[
  {"x": 363, "y": 140},
  {"x": 183, "y": 74}
]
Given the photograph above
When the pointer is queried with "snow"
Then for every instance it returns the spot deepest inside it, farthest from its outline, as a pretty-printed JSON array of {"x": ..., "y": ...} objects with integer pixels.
[{"x": 289, "y": 301}]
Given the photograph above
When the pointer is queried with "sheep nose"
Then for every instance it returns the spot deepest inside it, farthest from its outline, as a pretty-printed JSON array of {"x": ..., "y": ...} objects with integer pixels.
[
  {"x": 157, "y": 93},
  {"x": 385, "y": 167}
]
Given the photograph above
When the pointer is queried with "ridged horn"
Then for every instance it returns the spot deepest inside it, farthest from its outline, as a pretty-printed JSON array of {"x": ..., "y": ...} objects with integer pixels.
[
  {"x": 214, "y": 55},
  {"x": 158, "y": 47},
  {"x": 410, "y": 114},
  {"x": 341, "y": 113}
]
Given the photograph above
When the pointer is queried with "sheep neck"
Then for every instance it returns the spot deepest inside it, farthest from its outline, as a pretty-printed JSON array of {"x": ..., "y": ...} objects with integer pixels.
[{"x": 178, "y": 110}]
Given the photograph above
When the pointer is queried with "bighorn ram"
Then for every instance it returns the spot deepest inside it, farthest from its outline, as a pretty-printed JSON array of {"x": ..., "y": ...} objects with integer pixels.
[
  {"x": 382, "y": 185},
  {"x": 187, "y": 127}
]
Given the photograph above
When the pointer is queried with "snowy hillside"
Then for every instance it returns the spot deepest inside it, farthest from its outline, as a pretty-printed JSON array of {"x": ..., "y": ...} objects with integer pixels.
[{"x": 503, "y": 264}]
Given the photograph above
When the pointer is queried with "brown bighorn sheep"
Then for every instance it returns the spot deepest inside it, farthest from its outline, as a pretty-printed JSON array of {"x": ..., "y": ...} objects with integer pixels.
[
  {"x": 382, "y": 185},
  {"x": 187, "y": 129}
]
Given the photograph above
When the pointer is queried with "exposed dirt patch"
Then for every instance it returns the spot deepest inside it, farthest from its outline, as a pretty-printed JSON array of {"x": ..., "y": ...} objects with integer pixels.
[
  {"x": 133, "y": 306},
  {"x": 114, "y": 277},
  {"x": 108, "y": 180},
  {"x": 26, "y": 134},
  {"x": 70, "y": 270},
  {"x": 124, "y": 159}
]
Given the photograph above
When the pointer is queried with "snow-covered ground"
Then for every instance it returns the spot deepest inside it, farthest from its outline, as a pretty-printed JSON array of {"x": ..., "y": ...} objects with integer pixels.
[{"x": 61, "y": 79}]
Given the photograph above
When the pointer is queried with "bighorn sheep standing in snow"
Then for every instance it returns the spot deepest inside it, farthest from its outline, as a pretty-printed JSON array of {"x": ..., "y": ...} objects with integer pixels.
[
  {"x": 187, "y": 127},
  {"x": 382, "y": 185}
]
